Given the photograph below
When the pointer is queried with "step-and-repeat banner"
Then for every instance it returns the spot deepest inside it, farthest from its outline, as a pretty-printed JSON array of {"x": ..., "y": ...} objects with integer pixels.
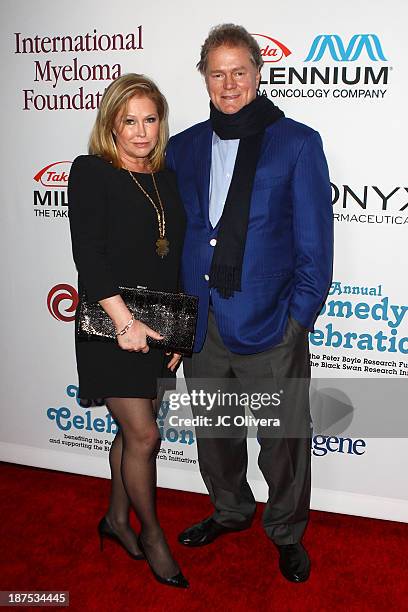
[{"x": 342, "y": 70}]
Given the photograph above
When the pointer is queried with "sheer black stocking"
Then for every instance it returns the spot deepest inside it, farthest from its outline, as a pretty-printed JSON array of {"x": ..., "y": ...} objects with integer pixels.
[
  {"x": 140, "y": 445},
  {"x": 119, "y": 505}
]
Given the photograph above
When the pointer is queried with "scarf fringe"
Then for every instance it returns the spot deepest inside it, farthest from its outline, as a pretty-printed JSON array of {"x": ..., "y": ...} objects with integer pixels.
[{"x": 226, "y": 279}]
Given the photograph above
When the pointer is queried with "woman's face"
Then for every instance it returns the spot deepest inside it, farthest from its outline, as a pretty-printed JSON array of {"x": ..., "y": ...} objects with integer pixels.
[{"x": 137, "y": 129}]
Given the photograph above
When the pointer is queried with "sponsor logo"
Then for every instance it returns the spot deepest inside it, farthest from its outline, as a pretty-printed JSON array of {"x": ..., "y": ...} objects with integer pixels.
[
  {"x": 321, "y": 445},
  {"x": 346, "y": 81},
  {"x": 57, "y": 298},
  {"x": 333, "y": 44},
  {"x": 271, "y": 49},
  {"x": 80, "y": 428},
  {"x": 88, "y": 425},
  {"x": 52, "y": 202},
  {"x": 58, "y": 77},
  {"x": 54, "y": 175},
  {"x": 370, "y": 204}
]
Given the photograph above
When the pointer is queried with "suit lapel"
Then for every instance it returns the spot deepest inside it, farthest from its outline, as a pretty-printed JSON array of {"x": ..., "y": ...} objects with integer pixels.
[{"x": 202, "y": 161}]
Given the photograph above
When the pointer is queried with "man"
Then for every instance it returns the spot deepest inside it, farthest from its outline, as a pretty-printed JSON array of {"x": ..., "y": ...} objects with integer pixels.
[{"x": 258, "y": 253}]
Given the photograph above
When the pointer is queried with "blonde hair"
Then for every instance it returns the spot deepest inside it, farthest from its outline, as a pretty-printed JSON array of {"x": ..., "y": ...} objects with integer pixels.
[{"x": 114, "y": 101}]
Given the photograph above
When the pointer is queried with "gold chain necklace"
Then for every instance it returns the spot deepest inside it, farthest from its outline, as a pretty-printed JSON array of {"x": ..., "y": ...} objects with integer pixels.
[{"x": 162, "y": 244}]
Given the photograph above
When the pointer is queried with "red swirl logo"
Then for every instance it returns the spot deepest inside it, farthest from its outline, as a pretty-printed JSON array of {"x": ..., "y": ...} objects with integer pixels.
[{"x": 59, "y": 294}]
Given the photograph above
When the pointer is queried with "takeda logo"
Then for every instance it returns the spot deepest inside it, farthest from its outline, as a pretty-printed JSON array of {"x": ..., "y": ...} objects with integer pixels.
[
  {"x": 62, "y": 302},
  {"x": 271, "y": 49},
  {"x": 334, "y": 45},
  {"x": 54, "y": 175},
  {"x": 52, "y": 202}
]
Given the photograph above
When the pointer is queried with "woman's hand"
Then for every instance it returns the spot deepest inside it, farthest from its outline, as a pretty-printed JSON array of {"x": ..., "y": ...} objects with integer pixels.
[
  {"x": 135, "y": 337},
  {"x": 134, "y": 340},
  {"x": 174, "y": 361}
]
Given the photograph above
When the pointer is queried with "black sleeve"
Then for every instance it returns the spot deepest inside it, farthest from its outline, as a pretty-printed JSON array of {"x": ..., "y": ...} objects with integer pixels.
[{"x": 88, "y": 217}]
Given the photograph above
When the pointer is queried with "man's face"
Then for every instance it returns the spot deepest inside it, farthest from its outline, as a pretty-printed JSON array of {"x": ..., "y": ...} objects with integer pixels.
[{"x": 231, "y": 78}]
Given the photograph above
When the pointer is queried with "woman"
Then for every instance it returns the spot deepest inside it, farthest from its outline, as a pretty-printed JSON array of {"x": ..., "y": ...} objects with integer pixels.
[{"x": 127, "y": 227}]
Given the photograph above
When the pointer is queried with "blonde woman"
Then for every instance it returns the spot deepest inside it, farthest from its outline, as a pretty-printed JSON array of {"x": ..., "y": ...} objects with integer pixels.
[{"x": 127, "y": 227}]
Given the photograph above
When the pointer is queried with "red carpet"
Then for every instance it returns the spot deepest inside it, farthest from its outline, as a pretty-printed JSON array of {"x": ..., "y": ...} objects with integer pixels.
[{"x": 49, "y": 542}]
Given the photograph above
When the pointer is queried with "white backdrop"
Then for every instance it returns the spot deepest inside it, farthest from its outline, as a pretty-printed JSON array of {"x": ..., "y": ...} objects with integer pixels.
[{"x": 341, "y": 69}]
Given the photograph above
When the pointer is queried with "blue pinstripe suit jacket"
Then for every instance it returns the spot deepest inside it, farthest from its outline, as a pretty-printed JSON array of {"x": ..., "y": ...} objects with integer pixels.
[{"x": 288, "y": 255}]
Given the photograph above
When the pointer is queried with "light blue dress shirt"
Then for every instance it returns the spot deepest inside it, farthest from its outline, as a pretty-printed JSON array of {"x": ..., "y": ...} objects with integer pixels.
[{"x": 223, "y": 156}]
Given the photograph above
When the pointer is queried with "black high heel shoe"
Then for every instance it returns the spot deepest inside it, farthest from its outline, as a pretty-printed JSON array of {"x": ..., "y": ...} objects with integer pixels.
[
  {"x": 175, "y": 581},
  {"x": 106, "y": 531}
]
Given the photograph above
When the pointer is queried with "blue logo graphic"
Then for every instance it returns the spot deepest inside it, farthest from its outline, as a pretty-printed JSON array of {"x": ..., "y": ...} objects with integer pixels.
[
  {"x": 67, "y": 419},
  {"x": 340, "y": 53}
]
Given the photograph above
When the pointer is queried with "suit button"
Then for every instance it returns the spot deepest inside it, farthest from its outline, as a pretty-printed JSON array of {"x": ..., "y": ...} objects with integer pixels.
[
  {"x": 213, "y": 241},
  {"x": 207, "y": 278}
]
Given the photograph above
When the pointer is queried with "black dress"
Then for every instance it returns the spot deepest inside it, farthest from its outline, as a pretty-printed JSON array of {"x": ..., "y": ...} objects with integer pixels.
[{"x": 114, "y": 229}]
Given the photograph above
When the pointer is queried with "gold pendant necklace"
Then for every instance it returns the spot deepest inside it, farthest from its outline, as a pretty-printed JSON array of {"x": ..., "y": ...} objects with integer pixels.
[{"x": 162, "y": 244}]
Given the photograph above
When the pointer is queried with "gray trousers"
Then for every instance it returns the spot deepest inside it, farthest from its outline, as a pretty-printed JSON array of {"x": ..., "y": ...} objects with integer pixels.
[{"x": 284, "y": 460}]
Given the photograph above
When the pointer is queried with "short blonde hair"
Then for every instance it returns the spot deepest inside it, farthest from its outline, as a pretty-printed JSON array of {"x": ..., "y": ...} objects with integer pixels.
[{"x": 114, "y": 101}]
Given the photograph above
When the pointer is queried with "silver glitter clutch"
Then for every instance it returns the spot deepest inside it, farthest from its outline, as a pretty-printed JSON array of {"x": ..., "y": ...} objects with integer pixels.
[{"x": 173, "y": 315}]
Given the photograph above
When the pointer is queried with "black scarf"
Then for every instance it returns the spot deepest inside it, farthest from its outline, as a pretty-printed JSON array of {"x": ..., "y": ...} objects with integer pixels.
[{"x": 248, "y": 125}]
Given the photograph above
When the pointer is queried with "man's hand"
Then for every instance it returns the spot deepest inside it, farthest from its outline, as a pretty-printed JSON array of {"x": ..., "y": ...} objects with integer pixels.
[{"x": 174, "y": 361}]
